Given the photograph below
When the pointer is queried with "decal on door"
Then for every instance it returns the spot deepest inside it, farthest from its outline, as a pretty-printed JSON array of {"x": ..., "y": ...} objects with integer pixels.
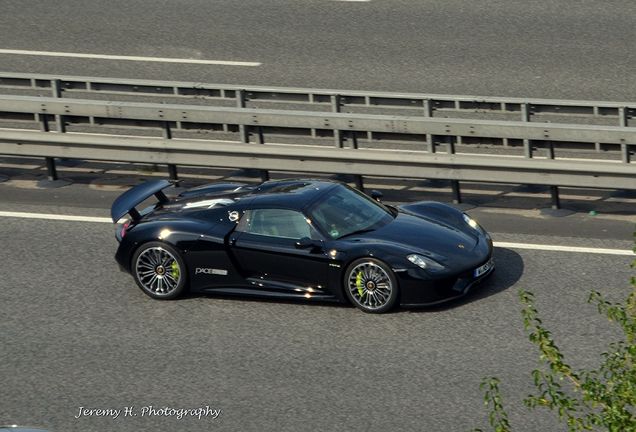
[{"x": 210, "y": 271}]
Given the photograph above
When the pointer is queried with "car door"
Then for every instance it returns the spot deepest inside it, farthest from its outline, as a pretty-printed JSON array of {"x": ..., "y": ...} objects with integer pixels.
[{"x": 264, "y": 245}]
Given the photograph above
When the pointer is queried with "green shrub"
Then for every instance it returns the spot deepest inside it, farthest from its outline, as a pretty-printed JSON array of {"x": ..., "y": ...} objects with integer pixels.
[{"x": 594, "y": 399}]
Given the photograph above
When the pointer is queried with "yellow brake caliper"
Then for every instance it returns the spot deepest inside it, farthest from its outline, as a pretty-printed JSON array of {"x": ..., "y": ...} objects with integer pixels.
[
  {"x": 174, "y": 267},
  {"x": 359, "y": 283}
]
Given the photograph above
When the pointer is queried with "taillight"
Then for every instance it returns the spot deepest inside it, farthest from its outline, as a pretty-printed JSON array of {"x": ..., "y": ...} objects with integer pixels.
[{"x": 124, "y": 228}]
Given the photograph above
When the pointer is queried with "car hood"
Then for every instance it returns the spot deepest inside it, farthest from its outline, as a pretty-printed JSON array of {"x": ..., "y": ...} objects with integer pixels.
[{"x": 437, "y": 239}]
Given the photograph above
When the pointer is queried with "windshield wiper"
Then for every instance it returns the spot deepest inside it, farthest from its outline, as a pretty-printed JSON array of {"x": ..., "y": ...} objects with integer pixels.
[
  {"x": 394, "y": 210},
  {"x": 361, "y": 231}
]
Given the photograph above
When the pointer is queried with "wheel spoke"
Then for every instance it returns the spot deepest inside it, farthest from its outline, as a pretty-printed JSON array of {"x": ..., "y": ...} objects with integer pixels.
[
  {"x": 378, "y": 300},
  {"x": 382, "y": 295},
  {"x": 170, "y": 282},
  {"x": 154, "y": 269},
  {"x": 171, "y": 279},
  {"x": 145, "y": 261},
  {"x": 157, "y": 256},
  {"x": 376, "y": 285},
  {"x": 367, "y": 297},
  {"x": 151, "y": 283},
  {"x": 152, "y": 257}
]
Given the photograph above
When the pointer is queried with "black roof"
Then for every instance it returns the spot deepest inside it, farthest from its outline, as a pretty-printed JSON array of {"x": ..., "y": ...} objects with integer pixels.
[{"x": 293, "y": 194}]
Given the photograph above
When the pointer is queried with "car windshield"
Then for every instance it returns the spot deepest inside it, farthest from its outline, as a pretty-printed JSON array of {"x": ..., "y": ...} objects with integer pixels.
[{"x": 343, "y": 211}]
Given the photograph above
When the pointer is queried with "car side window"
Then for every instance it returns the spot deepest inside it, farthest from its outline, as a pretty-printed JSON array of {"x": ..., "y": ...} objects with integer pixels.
[{"x": 280, "y": 223}]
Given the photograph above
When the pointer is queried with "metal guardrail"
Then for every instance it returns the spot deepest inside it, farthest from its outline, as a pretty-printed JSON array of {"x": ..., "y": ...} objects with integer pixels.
[
  {"x": 57, "y": 85},
  {"x": 182, "y": 114},
  {"x": 419, "y": 104},
  {"x": 409, "y": 164},
  {"x": 311, "y": 120}
]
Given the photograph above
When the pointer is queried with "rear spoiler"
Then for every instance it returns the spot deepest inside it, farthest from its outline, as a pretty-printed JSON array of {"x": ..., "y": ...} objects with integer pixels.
[{"x": 127, "y": 201}]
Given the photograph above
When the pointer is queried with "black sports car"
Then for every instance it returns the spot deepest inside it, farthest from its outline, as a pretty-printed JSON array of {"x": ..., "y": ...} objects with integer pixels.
[{"x": 313, "y": 239}]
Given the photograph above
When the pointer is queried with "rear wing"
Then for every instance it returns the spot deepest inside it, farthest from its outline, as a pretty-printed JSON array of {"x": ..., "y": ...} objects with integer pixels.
[{"x": 127, "y": 201}]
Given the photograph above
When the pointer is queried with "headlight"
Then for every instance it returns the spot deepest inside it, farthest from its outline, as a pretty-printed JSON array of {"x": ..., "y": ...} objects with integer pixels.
[
  {"x": 470, "y": 221},
  {"x": 425, "y": 262}
]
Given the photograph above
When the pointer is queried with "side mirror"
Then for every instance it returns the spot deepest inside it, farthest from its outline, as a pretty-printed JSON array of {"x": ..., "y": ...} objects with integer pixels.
[
  {"x": 376, "y": 195},
  {"x": 307, "y": 243}
]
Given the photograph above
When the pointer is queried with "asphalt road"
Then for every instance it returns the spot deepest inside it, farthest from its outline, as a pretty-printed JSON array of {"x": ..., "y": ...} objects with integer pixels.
[
  {"x": 77, "y": 332},
  {"x": 567, "y": 49}
]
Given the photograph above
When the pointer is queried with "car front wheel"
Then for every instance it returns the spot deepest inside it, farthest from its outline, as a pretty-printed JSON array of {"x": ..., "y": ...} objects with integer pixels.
[
  {"x": 371, "y": 285},
  {"x": 159, "y": 270}
]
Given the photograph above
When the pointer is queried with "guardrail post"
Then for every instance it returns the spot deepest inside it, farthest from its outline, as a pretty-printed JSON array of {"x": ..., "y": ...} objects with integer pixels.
[
  {"x": 550, "y": 150},
  {"x": 554, "y": 196},
  {"x": 354, "y": 145},
  {"x": 240, "y": 103},
  {"x": 457, "y": 139},
  {"x": 359, "y": 183},
  {"x": 354, "y": 139},
  {"x": 597, "y": 145},
  {"x": 44, "y": 122},
  {"x": 244, "y": 132},
  {"x": 335, "y": 107},
  {"x": 428, "y": 112},
  {"x": 167, "y": 130},
  {"x": 172, "y": 168},
  {"x": 261, "y": 140},
  {"x": 525, "y": 116},
  {"x": 623, "y": 117},
  {"x": 451, "y": 145},
  {"x": 51, "y": 171},
  {"x": 172, "y": 172},
  {"x": 503, "y": 108},
  {"x": 56, "y": 90},
  {"x": 457, "y": 192}
]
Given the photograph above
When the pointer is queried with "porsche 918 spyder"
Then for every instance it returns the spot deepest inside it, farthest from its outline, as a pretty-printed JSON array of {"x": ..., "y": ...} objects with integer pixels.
[{"x": 306, "y": 238}]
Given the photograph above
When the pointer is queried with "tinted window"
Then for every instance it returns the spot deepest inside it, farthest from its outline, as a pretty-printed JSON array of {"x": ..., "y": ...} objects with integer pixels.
[
  {"x": 275, "y": 223},
  {"x": 344, "y": 211}
]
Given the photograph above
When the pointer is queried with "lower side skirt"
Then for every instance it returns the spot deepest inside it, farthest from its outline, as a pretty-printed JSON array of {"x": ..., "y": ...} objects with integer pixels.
[{"x": 270, "y": 294}]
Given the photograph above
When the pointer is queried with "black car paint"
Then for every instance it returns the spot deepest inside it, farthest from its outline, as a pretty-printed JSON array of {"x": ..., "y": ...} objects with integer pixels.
[{"x": 276, "y": 267}]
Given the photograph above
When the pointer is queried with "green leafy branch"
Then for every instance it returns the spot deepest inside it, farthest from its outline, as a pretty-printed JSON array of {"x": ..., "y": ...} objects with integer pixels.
[{"x": 603, "y": 398}]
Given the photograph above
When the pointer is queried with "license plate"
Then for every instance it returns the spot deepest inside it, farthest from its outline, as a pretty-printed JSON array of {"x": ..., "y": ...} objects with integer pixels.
[{"x": 483, "y": 269}]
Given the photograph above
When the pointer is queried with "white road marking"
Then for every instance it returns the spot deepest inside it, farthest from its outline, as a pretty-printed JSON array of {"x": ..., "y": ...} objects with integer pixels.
[
  {"x": 59, "y": 217},
  {"x": 129, "y": 58},
  {"x": 558, "y": 248},
  {"x": 530, "y": 246}
]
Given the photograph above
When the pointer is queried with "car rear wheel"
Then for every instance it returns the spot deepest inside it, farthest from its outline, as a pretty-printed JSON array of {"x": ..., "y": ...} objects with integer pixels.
[
  {"x": 371, "y": 285},
  {"x": 159, "y": 271}
]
